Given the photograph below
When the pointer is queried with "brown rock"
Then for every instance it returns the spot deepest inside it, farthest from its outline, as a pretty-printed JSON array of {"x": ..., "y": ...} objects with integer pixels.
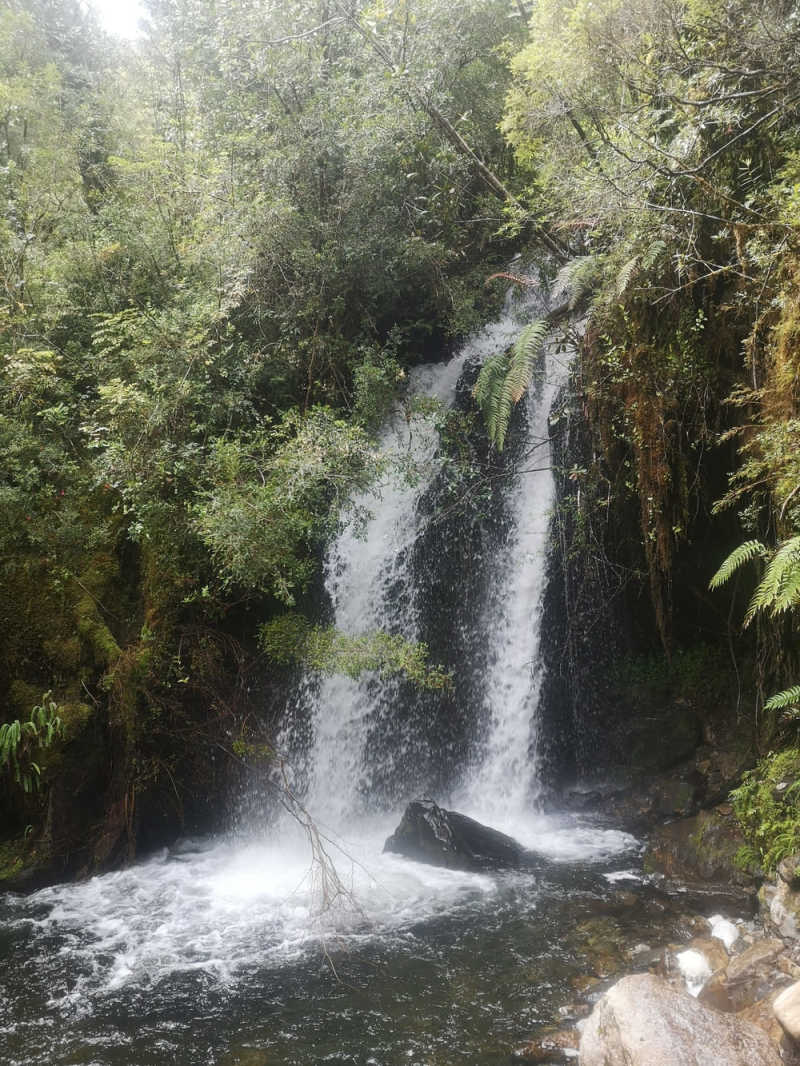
[
  {"x": 554, "y": 1047},
  {"x": 754, "y": 974},
  {"x": 583, "y": 982},
  {"x": 715, "y": 994},
  {"x": 763, "y": 953},
  {"x": 787, "y": 1010},
  {"x": 642, "y": 1021},
  {"x": 713, "y": 949},
  {"x": 762, "y": 1015}
]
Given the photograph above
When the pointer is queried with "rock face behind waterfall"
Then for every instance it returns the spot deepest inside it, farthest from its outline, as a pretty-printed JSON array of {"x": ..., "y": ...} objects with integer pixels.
[{"x": 431, "y": 834}]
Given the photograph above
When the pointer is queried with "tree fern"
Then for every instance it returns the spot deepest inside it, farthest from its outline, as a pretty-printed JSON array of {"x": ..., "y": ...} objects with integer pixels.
[
  {"x": 779, "y": 588},
  {"x": 504, "y": 380},
  {"x": 790, "y": 697},
  {"x": 751, "y": 549}
]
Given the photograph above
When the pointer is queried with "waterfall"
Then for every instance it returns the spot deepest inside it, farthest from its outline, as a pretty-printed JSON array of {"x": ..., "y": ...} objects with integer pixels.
[
  {"x": 373, "y": 584},
  {"x": 504, "y": 780},
  {"x": 216, "y": 942}
]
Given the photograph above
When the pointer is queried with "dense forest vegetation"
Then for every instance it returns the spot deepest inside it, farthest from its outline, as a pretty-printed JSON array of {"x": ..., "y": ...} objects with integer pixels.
[{"x": 222, "y": 249}]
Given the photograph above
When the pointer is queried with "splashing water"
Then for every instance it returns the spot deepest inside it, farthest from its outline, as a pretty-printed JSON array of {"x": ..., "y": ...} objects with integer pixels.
[{"x": 157, "y": 963}]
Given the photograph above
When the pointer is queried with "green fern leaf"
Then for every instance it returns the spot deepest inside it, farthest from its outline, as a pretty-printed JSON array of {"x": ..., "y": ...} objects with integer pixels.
[
  {"x": 751, "y": 549},
  {"x": 504, "y": 380},
  {"x": 652, "y": 254},
  {"x": 524, "y": 356},
  {"x": 576, "y": 278},
  {"x": 625, "y": 275},
  {"x": 778, "y": 589},
  {"x": 788, "y": 698}
]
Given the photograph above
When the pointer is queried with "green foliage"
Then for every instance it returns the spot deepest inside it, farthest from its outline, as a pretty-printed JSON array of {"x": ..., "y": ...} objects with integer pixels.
[
  {"x": 779, "y": 588},
  {"x": 291, "y": 638},
  {"x": 20, "y": 741},
  {"x": 777, "y": 592},
  {"x": 376, "y": 381},
  {"x": 276, "y": 495},
  {"x": 789, "y": 698},
  {"x": 751, "y": 549},
  {"x": 577, "y": 278},
  {"x": 504, "y": 379},
  {"x": 767, "y": 807}
]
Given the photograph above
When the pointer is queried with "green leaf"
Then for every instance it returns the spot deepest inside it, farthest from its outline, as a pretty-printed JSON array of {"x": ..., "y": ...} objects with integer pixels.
[{"x": 751, "y": 549}]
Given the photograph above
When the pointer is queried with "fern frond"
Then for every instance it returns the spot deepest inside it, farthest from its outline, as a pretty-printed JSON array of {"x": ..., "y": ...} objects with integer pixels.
[
  {"x": 492, "y": 372},
  {"x": 751, "y": 549},
  {"x": 504, "y": 379},
  {"x": 781, "y": 700},
  {"x": 525, "y": 353},
  {"x": 779, "y": 588},
  {"x": 576, "y": 278},
  {"x": 652, "y": 254},
  {"x": 625, "y": 275}
]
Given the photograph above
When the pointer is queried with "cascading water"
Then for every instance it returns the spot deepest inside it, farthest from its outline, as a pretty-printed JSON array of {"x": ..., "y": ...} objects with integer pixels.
[
  {"x": 505, "y": 781},
  {"x": 371, "y": 582},
  {"x": 210, "y": 953}
]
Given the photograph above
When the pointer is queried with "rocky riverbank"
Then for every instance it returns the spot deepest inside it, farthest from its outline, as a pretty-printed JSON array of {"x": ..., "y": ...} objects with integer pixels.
[{"x": 725, "y": 994}]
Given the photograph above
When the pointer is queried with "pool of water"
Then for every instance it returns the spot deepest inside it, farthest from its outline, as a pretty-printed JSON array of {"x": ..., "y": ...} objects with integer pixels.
[{"x": 233, "y": 952}]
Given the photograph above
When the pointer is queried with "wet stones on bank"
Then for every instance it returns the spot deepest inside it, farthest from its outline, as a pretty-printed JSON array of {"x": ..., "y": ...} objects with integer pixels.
[{"x": 727, "y": 995}]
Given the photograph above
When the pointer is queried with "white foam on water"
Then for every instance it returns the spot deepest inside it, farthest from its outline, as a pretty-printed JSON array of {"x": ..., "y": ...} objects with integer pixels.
[
  {"x": 232, "y": 905},
  {"x": 695, "y": 970},
  {"x": 724, "y": 929}
]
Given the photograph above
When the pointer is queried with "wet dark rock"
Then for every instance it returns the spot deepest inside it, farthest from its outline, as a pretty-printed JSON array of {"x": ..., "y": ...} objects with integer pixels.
[
  {"x": 642, "y": 799},
  {"x": 707, "y": 898},
  {"x": 700, "y": 848},
  {"x": 429, "y": 833}
]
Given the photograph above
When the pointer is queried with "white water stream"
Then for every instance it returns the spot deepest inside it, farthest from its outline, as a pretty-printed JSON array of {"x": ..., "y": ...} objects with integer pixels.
[{"x": 227, "y": 907}]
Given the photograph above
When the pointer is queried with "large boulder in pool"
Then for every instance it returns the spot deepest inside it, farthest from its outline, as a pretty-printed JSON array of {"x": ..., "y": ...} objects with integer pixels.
[{"x": 431, "y": 834}]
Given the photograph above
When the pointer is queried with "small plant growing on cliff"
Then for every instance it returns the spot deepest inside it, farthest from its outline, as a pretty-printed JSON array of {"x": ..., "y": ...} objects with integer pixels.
[
  {"x": 293, "y": 639},
  {"x": 766, "y": 807},
  {"x": 20, "y": 740}
]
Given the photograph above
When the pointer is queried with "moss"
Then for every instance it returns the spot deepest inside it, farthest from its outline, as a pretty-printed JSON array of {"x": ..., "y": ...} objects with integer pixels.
[
  {"x": 13, "y": 859},
  {"x": 22, "y": 698},
  {"x": 96, "y": 633},
  {"x": 767, "y": 807},
  {"x": 74, "y": 719},
  {"x": 64, "y": 653}
]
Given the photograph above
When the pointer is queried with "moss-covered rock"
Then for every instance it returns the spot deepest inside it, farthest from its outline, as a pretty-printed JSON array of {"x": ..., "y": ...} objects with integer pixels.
[
  {"x": 704, "y": 847},
  {"x": 767, "y": 808}
]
